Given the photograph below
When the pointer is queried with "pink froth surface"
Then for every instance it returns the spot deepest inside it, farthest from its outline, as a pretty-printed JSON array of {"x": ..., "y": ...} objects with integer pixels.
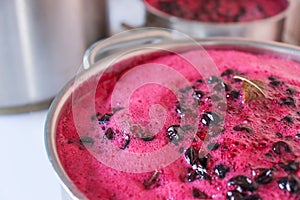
[{"x": 242, "y": 152}]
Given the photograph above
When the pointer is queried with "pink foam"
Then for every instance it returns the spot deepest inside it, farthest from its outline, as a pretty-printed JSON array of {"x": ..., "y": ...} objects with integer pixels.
[{"x": 239, "y": 150}]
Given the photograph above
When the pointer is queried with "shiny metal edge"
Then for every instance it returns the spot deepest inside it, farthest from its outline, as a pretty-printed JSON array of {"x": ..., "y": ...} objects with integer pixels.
[
  {"x": 173, "y": 19},
  {"x": 50, "y": 141},
  {"x": 50, "y": 128},
  {"x": 26, "y": 107},
  {"x": 275, "y": 48}
]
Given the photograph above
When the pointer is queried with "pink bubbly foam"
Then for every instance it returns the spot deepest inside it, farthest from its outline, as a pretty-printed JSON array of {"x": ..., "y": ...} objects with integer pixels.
[{"x": 258, "y": 141}]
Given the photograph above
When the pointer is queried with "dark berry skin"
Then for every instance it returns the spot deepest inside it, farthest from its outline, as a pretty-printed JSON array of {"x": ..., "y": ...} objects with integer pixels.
[
  {"x": 148, "y": 138},
  {"x": 198, "y": 94},
  {"x": 234, "y": 195},
  {"x": 178, "y": 109},
  {"x": 264, "y": 176},
  {"x": 272, "y": 78},
  {"x": 289, "y": 101},
  {"x": 173, "y": 134},
  {"x": 211, "y": 118},
  {"x": 288, "y": 119},
  {"x": 151, "y": 181},
  {"x": 279, "y": 135},
  {"x": 126, "y": 143},
  {"x": 221, "y": 170},
  {"x": 291, "y": 166},
  {"x": 109, "y": 134},
  {"x": 228, "y": 72},
  {"x": 243, "y": 183},
  {"x": 199, "y": 194},
  {"x": 191, "y": 154},
  {"x": 290, "y": 184},
  {"x": 213, "y": 146},
  {"x": 253, "y": 197},
  {"x": 274, "y": 81},
  {"x": 202, "y": 174},
  {"x": 104, "y": 119},
  {"x": 280, "y": 147},
  {"x": 227, "y": 87},
  {"x": 290, "y": 91},
  {"x": 235, "y": 94},
  {"x": 200, "y": 166},
  {"x": 191, "y": 175},
  {"x": 243, "y": 127},
  {"x": 202, "y": 161}
]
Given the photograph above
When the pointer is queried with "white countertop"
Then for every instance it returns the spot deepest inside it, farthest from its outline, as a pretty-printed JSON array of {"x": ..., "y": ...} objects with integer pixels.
[{"x": 25, "y": 171}]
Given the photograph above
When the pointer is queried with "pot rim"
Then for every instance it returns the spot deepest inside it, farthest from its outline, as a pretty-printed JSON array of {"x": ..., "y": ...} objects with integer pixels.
[
  {"x": 173, "y": 19},
  {"x": 242, "y": 44}
]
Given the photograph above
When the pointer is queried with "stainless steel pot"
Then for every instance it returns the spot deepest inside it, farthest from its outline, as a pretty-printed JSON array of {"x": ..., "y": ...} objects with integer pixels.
[
  {"x": 41, "y": 46},
  {"x": 264, "y": 29},
  {"x": 95, "y": 54}
]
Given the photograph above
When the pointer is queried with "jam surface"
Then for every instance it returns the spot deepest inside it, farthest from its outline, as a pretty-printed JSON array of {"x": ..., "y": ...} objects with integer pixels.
[{"x": 250, "y": 152}]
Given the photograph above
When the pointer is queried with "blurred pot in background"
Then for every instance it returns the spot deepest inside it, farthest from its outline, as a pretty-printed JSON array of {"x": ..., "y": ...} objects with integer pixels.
[
  {"x": 258, "y": 19},
  {"x": 292, "y": 24},
  {"x": 41, "y": 47}
]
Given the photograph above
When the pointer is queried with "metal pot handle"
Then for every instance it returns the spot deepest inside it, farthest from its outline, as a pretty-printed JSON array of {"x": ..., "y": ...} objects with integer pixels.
[{"x": 129, "y": 38}]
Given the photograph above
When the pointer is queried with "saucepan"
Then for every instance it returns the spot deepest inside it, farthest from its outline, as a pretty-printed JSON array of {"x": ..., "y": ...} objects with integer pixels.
[
  {"x": 41, "y": 46},
  {"x": 100, "y": 55},
  {"x": 185, "y": 16}
]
